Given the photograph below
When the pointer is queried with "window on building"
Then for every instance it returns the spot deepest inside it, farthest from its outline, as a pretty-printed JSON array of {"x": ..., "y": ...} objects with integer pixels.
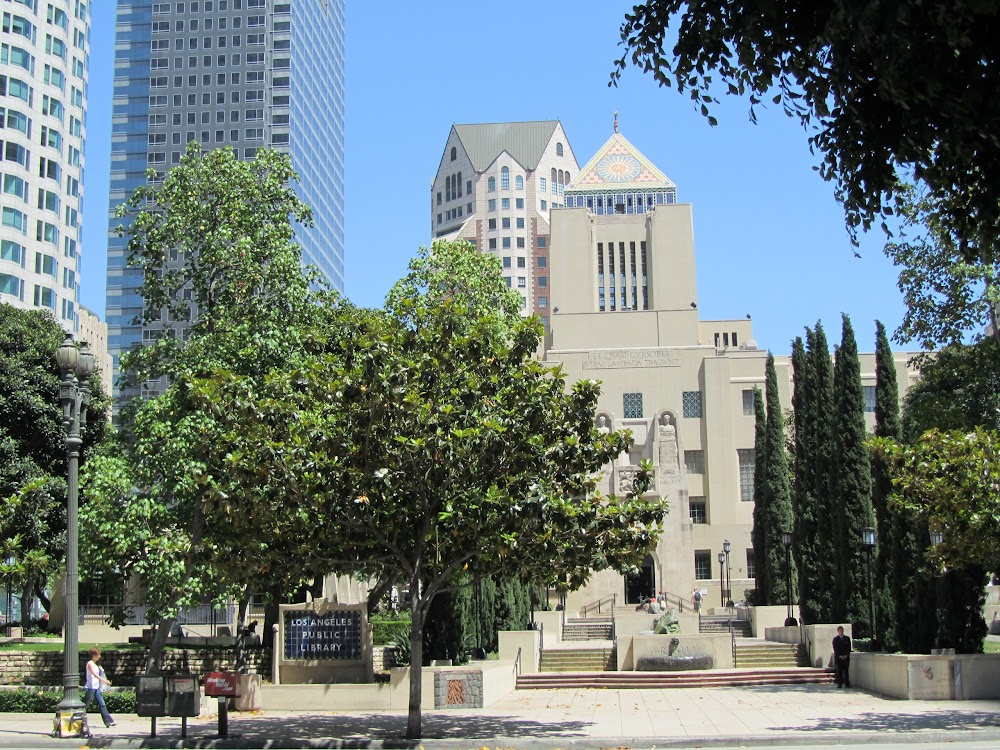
[
  {"x": 491, "y": 184},
  {"x": 545, "y": 205},
  {"x": 748, "y": 403},
  {"x": 505, "y": 222},
  {"x": 543, "y": 281},
  {"x": 869, "y": 398},
  {"x": 692, "y": 404},
  {"x": 694, "y": 462},
  {"x": 521, "y": 263},
  {"x": 748, "y": 460},
  {"x": 543, "y": 302},
  {"x": 540, "y": 242},
  {"x": 505, "y": 204},
  {"x": 632, "y": 405},
  {"x": 519, "y": 203},
  {"x": 751, "y": 564},
  {"x": 504, "y": 178},
  {"x": 454, "y": 153},
  {"x": 542, "y": 184},
  {"x": 506, "y": 261},
  {"x": 519, "y": 183},
  {"x": 491, "y": 224},
  {"x": 703, "y": 564},
  {"x": 491, "y": 204},
  {"x": 559, "y": 149},
  {"x": 493, "y": 243},
  {"x": 522, "y": 282},
  {"x": 505, "y": 242},
  {"x": 698, "y": 510}
]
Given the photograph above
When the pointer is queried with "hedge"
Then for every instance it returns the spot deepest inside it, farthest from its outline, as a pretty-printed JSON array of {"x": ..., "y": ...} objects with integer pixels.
[{"x": 34, "y": 701}]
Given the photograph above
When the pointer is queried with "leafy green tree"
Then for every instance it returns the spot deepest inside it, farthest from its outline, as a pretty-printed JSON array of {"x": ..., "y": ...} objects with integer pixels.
[
  {"x": 807, "y": 531},
  {"x": 949, "y": 479},
  {"x": 881, "y": 92},
  {"x": 33, "y": 465},
  {"x": 890, "y": 575},
  {"x": 949, "y": 289},
  {"x": 434, "y": 443},
  {"x": 852, "y": 484},
  {"x": 215, "y": 245},
  {"x": 778, "y": 511},
  {"x": 758, "y": 534},
  {"x": 822, "y": 461}
]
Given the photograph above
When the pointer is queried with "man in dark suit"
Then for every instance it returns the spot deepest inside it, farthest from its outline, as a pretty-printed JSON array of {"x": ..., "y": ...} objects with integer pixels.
[{"x": 842, "y": 658}]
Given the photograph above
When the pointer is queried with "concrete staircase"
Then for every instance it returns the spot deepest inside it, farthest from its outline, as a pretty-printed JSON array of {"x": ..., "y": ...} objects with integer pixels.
[
  {"x": 578, "y": 659},
  {"x": 588, "y": 629},
  {"x": 720, "y": 624},
  {"x": 664, "y": 680},
  {"x": 756, "y": 653}
]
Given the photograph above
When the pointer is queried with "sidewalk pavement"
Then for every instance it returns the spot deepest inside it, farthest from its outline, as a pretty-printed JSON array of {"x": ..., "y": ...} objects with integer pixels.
[{"x": 579, "y": 718}]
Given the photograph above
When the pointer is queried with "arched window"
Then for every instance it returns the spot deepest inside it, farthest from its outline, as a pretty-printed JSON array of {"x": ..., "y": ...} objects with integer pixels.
[
  {"x": 519, "y": 183},
  {"x": 454, "y": 153},
  {"x": 491, "y": 185},
  {"x": 458, "y": 185},
  {"x": 447, "y": 188},
  {"x": 504, "y": 178},
  {"x": 555, "y": 181},
  {"x": 567, "y": 178},
  {"x": 559, "y": 149}
]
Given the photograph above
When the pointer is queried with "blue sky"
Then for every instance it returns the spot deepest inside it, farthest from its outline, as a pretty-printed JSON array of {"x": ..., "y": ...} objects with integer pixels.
[{"x": 769, "y": 236}]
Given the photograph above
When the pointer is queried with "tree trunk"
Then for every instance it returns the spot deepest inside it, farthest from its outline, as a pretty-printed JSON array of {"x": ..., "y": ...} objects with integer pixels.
[
  {"x": 27, "y": 600},
  {"x": 381, "y": 588},
  {"x": 154, "y": 656},
  {"x": 418, "y": 611},
  {"x": 241, "y": 646},
  {"x": 40, "y": 594}
]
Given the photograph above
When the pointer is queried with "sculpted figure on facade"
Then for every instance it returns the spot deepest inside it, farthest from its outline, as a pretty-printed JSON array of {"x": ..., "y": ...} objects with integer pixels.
[{"x": 668, "y": 453}]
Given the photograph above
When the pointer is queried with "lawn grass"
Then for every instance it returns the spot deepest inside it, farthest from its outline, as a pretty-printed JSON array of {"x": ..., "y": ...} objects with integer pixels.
[{"x": 991, "y": 647}]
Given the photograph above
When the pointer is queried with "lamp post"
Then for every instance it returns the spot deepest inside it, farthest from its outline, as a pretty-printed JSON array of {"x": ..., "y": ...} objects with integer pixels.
[
  {"x": 868, "y": 539},
  {"x": 786, "y": 540},
  {"x": 726, "y": 548},
  {"x": 76, "y": 366},
  {"x": 941, "y": 639},
  {"x": 722, "y": 577}
]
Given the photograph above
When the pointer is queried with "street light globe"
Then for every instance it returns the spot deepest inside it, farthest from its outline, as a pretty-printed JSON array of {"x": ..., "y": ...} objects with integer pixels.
[
  {"x": 85, "y": 365},
  {"x": 722, "y": 558},
  {"x": 937, "y": 536},
  {"x": 727, "y": 547},
  {"x": 868, "y": 536},
  {"x": 67, "y": 356},
  {"x": 786, "y": 538}
]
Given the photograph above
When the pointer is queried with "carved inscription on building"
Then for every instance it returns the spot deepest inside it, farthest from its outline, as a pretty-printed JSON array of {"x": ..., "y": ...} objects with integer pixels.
[{"x": 615, "y": 358}]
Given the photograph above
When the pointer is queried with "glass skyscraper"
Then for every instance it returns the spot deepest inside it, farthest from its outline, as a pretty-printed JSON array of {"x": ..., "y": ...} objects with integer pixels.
[
  {"x": 44, "y": 50},
  {"x": 240, "y": 73}
]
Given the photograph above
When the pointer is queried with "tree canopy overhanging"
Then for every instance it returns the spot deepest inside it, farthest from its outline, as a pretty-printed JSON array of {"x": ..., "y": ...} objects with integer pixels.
[{"x": 907, "y": 87}]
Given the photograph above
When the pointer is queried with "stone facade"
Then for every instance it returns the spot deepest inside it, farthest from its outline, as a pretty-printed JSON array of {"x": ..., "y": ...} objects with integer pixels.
[{"x": 458, "y": 689}]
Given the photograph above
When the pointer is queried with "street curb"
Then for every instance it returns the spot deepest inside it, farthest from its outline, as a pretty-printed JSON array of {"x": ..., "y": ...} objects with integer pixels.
[{"x": 785, "y": 739}]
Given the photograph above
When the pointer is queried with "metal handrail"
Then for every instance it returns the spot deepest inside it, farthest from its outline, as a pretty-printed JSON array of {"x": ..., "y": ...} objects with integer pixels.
[
  {"x": 732, "y": 638},
  {"x": 679, "y": 601},
  {"x": 585, "y": 610},
  {"x": 517, "y": 663}
]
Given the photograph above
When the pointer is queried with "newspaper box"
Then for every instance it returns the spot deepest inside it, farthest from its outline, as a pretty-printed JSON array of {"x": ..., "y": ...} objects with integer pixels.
[
  {"x": 183, "y": 696},
  {"x": 221, "y": 684},
  {"x": 150, "y": 697}
]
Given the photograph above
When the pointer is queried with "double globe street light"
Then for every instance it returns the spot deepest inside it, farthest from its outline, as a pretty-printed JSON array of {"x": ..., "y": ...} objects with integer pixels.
[{"x": 76, "y": 366}]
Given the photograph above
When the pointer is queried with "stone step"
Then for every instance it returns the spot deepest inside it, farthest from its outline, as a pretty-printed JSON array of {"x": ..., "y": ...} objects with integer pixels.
[
  {"x": 658, "y": 680},
  {"x": 577, "y": 660}
]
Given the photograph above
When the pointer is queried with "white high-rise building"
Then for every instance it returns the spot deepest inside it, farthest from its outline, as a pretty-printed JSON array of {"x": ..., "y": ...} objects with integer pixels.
[
  {"x": 44, "y": 50},
  {"x": 495, "y": 187}
]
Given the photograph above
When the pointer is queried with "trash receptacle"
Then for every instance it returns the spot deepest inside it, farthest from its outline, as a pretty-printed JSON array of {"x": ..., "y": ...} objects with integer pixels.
[
  {"x": 150, "y": 697},
  {"x": 183, "y": 696}
]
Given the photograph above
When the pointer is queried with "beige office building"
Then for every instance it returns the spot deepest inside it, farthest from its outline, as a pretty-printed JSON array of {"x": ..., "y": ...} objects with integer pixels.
[
  {"x": 495, "y": 187},
  {"x": 624, "y": 302}
]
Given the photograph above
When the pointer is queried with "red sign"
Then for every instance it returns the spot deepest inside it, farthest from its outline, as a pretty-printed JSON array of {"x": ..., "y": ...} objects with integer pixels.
[{"x": 221, "y": 684}]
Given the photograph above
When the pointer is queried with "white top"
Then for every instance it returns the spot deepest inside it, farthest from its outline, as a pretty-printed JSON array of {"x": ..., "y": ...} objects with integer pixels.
[{"x": 93, "y": 672}]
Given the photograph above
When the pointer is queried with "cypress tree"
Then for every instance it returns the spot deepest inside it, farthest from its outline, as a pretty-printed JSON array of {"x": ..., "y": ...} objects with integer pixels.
[
  {"x": 804, "y": 502},
  {"x": 852, "y": 484},
  {"x": 757, "y": 534},
  {"x": 822, "y": 469},
  {"x": 887, "y": 577},
  {"x": 778, "y": 511}
]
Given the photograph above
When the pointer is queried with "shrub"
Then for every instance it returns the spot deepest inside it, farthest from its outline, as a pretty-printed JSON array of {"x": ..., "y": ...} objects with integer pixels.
[
  {"x": 387, "y": 631},
  {"x": 34, "y": 701}
]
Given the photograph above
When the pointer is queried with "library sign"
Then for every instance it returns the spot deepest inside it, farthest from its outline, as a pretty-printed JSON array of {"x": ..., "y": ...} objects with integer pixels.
[{"x": 314, "y": 636}]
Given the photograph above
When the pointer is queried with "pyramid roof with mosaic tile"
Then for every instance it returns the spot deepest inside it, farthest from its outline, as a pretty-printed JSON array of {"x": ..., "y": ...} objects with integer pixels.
[{"x": 619, "y": 166}]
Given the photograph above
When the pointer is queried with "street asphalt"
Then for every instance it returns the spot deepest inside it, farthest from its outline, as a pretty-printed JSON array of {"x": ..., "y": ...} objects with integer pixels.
[{"x": 786, "y": 716}]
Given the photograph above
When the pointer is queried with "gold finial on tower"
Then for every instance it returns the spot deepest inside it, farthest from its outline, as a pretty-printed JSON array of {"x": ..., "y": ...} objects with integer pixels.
[{"x": 616, "y": 121}]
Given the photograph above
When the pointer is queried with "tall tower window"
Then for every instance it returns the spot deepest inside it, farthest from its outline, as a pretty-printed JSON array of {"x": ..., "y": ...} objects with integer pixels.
[{"x": 505, "y": 178}]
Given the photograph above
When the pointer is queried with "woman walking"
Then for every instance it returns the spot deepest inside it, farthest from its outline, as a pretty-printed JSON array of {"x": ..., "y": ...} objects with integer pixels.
[{"x": 96, "y": 680}]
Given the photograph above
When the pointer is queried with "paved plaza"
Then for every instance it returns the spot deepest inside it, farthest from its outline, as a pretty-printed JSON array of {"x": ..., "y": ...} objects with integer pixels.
[{"x": 584, "y": 718}]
